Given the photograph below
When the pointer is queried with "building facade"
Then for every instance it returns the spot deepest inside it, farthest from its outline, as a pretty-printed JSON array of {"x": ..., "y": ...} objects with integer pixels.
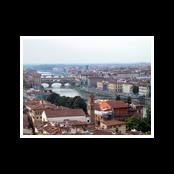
[
  {"x": 127, "y": 88},
  {"x": 63, "y": 115},
  {"x": 114, "y": 87},
  {"x": 117, "y": 126},
  {"x": 100, "y": 85},
  {"x": 144, "y": 90}
]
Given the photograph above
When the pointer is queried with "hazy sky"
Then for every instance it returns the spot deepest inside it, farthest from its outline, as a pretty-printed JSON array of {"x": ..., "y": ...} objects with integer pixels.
[{"x": 86, "y": 49}]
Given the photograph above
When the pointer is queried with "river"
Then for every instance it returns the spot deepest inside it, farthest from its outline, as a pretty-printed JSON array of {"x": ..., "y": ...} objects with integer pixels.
[{"x": 66, "y": 92}]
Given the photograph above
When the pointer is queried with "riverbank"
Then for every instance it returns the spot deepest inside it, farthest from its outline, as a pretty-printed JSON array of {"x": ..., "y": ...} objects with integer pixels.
[
  {"x": 105, "y": 95},
  {"x": 98, "y": 94}
]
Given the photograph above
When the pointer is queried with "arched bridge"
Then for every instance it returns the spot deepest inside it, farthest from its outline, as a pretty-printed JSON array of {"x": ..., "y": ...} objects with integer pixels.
[{"x": 52, "y": 80}]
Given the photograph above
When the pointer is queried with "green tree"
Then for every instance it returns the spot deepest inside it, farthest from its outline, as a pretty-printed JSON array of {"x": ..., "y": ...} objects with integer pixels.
[
  {"x": 140, "y": 124},
  {"x": 148, "y": 116},
  {"x": 135, "y": 89},
  {"x": 54, "y": 98},
  {"x": 69, "y": 102},
  {"x": 130, "y": 123},
  {"x": 143, "y": 125},
  {"x": 63, "y": 100},
  {"x": 78, "y": 102},
  {"x": 118, "y": 97},
  {"x": 129, "y": 100}
]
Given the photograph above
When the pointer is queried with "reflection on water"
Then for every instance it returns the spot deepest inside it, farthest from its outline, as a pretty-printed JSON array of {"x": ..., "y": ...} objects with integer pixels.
[
  {"x": 56, "y": 87},
  {"x": 66, "y": 92}
]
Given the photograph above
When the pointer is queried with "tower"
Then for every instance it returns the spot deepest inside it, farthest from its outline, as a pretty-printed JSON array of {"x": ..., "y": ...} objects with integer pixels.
[{"x": 90, "y": 105}]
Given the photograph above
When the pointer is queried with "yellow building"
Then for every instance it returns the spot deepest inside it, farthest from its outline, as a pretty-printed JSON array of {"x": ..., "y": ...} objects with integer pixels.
[
  {"x": 100, "y": 85},
  {"x": 115, "y": 87}
]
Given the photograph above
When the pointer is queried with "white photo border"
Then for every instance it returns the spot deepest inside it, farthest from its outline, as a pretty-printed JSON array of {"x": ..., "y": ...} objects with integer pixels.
[{"x": 84, "y": 136}]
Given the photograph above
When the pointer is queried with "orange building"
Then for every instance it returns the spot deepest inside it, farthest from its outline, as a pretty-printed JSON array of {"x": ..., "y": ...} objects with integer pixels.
[{"x": 111, "y": 109}]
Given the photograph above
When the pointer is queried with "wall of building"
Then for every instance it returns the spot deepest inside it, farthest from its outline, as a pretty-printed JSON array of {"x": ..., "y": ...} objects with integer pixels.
[
  {"x": 143, "y": 90},
  {"x": 101, "y": 113},
  {"x": 61, "y": 119},
  {"x": 144, "y": 111},
  {"x": 127, "y": 88},
  {"x": 100, "y": 85},
  {"x": 121, "y": 112},
  {"x": 122, "y": 129},
  {"x": 44, "y": 117},
  {"x": 112, "y": 87},
  {"x": 115, "y": 87},
  {"x": 88, "y": 119},
  {"x": 103, "y": 126}
]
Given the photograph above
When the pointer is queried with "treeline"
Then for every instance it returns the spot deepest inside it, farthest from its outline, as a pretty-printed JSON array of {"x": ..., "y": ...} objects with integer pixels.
[
  {"x": 140, "y": 124},
  {"x": 71, "y": 102}
]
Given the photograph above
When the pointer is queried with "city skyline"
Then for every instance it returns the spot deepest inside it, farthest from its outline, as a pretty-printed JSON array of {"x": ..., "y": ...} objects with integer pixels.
[{"x": 87, "y": 50}]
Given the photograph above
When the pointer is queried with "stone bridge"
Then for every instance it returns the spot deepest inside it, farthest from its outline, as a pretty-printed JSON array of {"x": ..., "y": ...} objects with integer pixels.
[{"x": 62, "y": 81}]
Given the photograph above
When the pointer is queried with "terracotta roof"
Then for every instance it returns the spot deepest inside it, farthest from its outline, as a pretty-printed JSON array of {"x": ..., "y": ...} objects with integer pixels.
[
  {"x": 64, "y": 113},
  {"x": 104, "y": 106},
  {"x": 37, "y": 105},
  {"x": 112, "y": 122},
  {"x": 110, "y": 104},
  {"x": 77, "y": 123},
  {"x": 112, "y": 81},
  {"x": 48, "y": 127},
  {"x": 117, "y": 104}
]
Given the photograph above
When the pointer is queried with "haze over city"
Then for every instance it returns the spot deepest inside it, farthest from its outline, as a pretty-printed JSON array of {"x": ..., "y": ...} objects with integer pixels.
[{"x": 87, "y": 49}]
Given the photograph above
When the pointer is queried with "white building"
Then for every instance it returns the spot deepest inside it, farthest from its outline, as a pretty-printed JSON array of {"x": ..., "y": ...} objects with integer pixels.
[
  {"x": 143, "y": 90},
  {"x": 127, "y": 88},
  {"x": 62, "y": 115}
]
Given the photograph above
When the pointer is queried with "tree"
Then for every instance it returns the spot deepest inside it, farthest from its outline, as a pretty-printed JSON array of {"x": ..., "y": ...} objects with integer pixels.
[
  {"x": 54, "y": 98},
  {"x": 62, "y": 101},
  {"x": 118, "y": 97},
  {"x": 140, "y": 124},
  {"x": 130, "y": 123},
  {"x": 30, "y": 124},
  {"x": 78, "y": 102},
  {"x": 69, "y": 102},
  {"x": 148, "y": 115},
  {"x": 135, "y": 89},
  {"x": 129, "y": 100},
  {"x": 149, "y": 94}
]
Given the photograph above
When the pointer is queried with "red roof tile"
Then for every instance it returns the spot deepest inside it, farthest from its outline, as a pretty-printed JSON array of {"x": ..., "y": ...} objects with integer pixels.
[
  {"x": 64, "y": 113},
  {"x": 110, "y": 104},
  {"x": 112, "y": 122}
]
